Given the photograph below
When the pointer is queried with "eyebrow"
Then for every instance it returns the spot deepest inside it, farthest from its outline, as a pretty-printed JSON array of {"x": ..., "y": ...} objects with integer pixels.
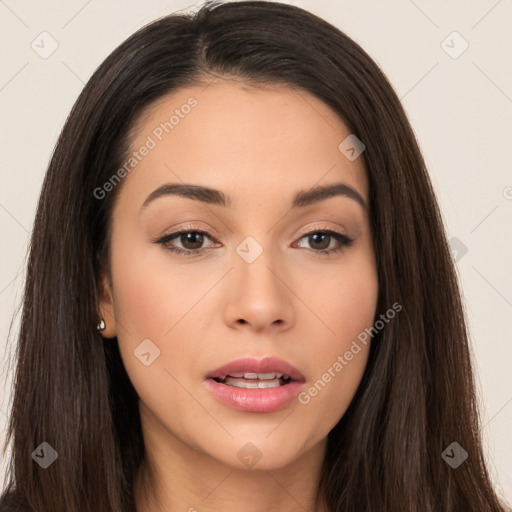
[{"x": 215, "y": 197}]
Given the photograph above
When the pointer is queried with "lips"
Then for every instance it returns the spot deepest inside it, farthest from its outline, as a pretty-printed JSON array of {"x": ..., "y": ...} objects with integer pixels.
[
  {"x": 256, "y": 385},
  {"x": 249, "y": 369}
]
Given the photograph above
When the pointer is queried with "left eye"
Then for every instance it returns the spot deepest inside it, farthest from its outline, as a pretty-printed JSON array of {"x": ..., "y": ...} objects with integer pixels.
[
  {"x": 192, "y": 241},
  {"x": 323, "y": 239}
]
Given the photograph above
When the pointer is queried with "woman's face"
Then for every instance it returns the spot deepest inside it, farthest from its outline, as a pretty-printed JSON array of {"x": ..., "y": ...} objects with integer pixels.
[{"x": 259, "y": 290}]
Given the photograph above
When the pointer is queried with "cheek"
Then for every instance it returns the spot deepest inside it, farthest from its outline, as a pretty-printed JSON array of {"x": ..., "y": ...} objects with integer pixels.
[
  {"x": 148, "y": 299},
  {"x": 351, "y": 305},
  {"x": 151, "y": 303},
  {"x": 347, "y": 306},
  {"x": 344, "y": 298}
]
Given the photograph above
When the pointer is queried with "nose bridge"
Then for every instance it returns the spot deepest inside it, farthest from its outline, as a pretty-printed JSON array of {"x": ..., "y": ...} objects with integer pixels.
[
  {"x": 255, "y": 264},
  {"x": 259, "y": 296}
]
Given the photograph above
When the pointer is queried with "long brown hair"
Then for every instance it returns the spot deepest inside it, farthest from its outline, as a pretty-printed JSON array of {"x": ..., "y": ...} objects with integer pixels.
[{"x": 71, "y": 391}]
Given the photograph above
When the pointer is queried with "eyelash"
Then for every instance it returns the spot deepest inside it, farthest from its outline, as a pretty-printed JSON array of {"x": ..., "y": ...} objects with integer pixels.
[{"x": 344, "y": 241}]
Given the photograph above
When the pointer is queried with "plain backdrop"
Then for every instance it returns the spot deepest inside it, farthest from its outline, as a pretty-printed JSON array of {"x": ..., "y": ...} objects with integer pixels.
[{"x": 450, "y": 63}]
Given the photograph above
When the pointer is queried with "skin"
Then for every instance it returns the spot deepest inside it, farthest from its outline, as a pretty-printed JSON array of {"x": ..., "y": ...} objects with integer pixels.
[{"x": 260, "y": 147}]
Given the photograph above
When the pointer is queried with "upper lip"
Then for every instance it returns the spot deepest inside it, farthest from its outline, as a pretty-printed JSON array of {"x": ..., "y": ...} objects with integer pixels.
[{"x": 251, "y": 365}]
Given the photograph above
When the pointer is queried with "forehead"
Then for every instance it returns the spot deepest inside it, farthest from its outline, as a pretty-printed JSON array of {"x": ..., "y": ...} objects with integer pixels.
[{"x": 247, "y": 140}]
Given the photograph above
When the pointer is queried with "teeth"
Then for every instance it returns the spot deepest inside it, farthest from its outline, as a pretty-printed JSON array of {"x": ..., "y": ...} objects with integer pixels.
[
  {"x": 254, "y": 380},
  {"x": 267, "y": 376},
  {"x": 254, "y": 376},
  {"x": 251, "y": 383}
]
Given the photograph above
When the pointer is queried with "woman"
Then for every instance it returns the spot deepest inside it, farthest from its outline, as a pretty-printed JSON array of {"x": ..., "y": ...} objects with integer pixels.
[{"x": 185, "y": 344}]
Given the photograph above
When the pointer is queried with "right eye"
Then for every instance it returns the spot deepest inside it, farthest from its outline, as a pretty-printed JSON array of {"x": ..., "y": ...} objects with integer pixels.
[{"x": 186, "y": 236}]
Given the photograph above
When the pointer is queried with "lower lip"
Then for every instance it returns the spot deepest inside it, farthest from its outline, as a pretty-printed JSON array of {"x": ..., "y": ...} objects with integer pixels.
[{"x": 255, "y": 400}]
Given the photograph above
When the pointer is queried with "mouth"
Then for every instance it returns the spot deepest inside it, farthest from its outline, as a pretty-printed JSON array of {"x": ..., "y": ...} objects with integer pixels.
[
  {"x": 251, "y": 373},
  {"x": 254, "y": 380},
  {"x": 252, "y": 385}
]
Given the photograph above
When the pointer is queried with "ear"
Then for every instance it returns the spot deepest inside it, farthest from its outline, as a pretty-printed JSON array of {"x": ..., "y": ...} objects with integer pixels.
[{"x": 106, "y": 307}]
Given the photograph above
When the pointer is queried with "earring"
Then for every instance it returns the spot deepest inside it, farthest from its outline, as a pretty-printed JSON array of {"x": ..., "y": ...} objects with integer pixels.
[{"x": 101, "y": 326}]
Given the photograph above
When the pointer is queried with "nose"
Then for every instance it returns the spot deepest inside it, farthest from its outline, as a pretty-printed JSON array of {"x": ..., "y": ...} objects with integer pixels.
[{"x": 259, "y": 296}]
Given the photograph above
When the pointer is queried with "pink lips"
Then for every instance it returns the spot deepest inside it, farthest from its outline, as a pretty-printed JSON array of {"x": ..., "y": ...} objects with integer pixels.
[{"x": 256, "y": 400}]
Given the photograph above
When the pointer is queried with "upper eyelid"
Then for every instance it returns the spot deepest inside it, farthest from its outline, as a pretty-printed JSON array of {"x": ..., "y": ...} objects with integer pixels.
[{"x": 186, "y": 229}]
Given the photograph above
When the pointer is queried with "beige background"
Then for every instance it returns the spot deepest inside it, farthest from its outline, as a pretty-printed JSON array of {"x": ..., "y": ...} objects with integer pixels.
[{"x": 460, "y": 109}]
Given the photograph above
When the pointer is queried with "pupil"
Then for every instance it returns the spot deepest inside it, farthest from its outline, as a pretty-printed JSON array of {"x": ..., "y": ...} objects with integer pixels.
[
  {"x": 196, "y": 240},
  {"x": 189, "y": 238},
  {"x": 326, "y": 237}
]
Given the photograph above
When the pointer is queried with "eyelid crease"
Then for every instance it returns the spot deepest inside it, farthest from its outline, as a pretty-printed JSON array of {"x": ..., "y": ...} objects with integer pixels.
[{"x": 194, "y": 228}]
